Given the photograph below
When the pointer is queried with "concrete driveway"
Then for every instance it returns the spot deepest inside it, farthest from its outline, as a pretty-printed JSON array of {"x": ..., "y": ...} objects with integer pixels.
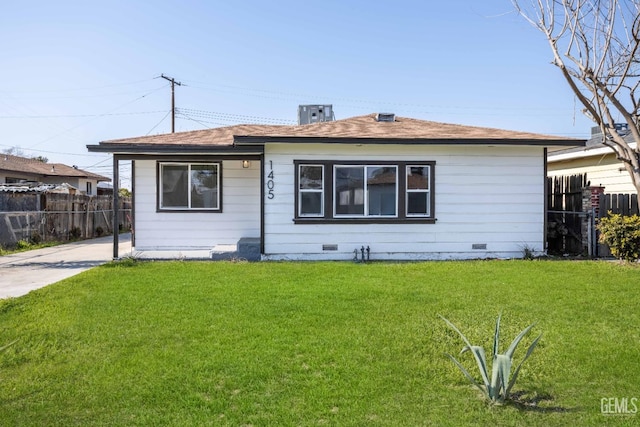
[{"x": 25, "y": 271}]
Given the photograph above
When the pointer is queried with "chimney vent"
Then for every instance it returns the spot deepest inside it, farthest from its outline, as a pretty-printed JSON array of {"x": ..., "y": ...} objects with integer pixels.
[{"x": 315, "y": 113}]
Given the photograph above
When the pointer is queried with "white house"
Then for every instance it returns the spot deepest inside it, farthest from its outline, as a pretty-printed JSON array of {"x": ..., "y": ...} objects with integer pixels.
[{"x": 381, "y": 186}]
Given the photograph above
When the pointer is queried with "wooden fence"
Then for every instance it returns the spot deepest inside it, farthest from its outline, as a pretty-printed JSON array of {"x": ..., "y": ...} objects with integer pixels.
[
  {"x": 623, "y": 204},
  {"x": 573, "y": 214},
  {"x": 58, "y": 217}
]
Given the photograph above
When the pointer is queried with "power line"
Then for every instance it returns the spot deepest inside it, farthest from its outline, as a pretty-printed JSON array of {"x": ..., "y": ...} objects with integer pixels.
[
  {"x": 97, "y": 95},
  {"x": 53, "y": 152},
  {"x": 93, "y": 118},
  {"x": 274, "y": 94},
  {"x": 233, "y": 117},
  {"x": 203, "y": 123},
  {"x": 161, "y": 120},
  {"x": 82, "y": 89},
  {"x": 80, "y": 115}
]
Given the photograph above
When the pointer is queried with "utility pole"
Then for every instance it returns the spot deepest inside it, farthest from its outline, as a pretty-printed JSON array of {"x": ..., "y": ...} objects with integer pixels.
[{"x": 173, "y": 100}]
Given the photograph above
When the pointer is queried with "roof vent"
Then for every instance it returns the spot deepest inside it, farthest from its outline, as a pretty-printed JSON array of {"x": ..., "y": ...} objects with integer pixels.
[{"x": 385, "y": 117}]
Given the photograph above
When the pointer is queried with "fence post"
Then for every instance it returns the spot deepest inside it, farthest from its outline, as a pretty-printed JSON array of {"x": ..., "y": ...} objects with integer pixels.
[{"x": 590, "y": 206}]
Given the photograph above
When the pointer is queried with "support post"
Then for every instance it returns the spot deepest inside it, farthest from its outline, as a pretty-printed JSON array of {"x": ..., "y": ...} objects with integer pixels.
[{"x": 116, "y": 202}]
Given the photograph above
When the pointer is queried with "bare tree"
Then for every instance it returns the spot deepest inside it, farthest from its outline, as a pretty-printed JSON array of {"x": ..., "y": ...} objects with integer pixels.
[{"x": 595, "y": 44}]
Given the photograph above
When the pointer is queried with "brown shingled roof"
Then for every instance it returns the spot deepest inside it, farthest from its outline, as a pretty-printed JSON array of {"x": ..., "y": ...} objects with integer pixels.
[
  {"x": 36, "y": 167},
  {"x": 360, "y": 128},
  {"x": 402, "y": 128}
]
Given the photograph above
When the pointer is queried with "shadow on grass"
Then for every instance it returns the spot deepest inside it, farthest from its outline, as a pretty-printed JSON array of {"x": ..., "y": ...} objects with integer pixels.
[{"x": 530, "y": 401}]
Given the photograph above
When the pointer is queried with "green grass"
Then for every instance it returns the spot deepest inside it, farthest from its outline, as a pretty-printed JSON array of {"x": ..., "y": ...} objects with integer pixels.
[{"x": 264, "y": 344}]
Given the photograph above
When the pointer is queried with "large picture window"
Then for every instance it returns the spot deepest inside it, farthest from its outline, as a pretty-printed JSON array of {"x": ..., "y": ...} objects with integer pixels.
[
  {"x": 356, "y": 196},
  {"x": 189, "y": 186},
  {"x": 364, "y": 192}
]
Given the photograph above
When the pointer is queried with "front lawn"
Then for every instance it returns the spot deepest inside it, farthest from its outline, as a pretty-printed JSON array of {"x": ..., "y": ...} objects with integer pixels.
[{"x": 264, "y": 344}]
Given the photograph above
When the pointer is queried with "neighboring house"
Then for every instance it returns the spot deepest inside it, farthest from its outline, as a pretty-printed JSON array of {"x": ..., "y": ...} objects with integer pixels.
[
  {"x": 21, "y": 170},
  {"x": 597, "y": 161},
  {"x": 404, "y": 189}
]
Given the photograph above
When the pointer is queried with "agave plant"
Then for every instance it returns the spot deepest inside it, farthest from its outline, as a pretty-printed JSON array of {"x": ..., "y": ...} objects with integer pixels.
[{"x": 498, "y": 387}]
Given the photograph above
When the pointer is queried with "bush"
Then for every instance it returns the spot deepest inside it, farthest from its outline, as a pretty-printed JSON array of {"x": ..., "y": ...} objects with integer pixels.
[
  {"x": 75, "y": 233},
  {"x": 36, "y": 238},
  {"x": 23, "y": 244},
  {"x": 622, "y": 234},
  {"x": 99, "y": 231}
]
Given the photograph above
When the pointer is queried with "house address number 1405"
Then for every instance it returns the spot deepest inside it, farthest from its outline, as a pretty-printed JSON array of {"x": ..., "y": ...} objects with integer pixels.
[{"x": 270, "y": 183}]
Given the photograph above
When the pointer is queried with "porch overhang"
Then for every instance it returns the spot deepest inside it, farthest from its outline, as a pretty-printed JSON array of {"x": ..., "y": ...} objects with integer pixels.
[{"x": 126, "y": 152}]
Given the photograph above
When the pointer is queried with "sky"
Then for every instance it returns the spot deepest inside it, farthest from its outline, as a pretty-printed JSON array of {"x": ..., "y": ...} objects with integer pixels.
[{"x": 74, "y": 73}]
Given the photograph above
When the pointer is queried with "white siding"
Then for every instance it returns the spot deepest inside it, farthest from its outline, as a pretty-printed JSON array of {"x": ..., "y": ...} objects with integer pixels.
[
  {"x": 483, "y": 195},
  {"x": 171, "y": 231}
]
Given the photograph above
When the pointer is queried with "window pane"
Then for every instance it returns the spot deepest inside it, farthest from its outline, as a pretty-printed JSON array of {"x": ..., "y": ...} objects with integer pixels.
[
  {"x": 204, "y": 186},
  {"x": 311, "y": 203},
  {"x": 417, "y": 203},
  {"x": 349, "y": 191},
  {"x": 418, "y": 177},
  {"x": 175, "y": 184},
  {"x": 310, "y": 177},
  {"x": 381, "y": 187}
]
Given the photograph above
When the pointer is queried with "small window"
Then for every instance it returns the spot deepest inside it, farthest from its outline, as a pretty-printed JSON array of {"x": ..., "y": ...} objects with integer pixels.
[
  {"x": 89, "y": 189},
  {"x": 311, "y": 190},
  {"x": 418, "y": 190},
  {"x": 189, "y": 186}
]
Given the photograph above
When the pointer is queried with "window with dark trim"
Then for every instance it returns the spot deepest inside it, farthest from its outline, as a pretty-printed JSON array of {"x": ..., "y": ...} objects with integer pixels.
[
  {"x": 311, "y": 190},
  {"x": 373, "y": 192},
  {"x": 189, "y": 186},
  {"x": 418, "y": 190}
]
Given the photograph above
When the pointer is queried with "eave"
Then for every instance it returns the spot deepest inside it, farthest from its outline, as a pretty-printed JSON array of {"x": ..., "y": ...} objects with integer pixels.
[{"x": 248, "y": 140}]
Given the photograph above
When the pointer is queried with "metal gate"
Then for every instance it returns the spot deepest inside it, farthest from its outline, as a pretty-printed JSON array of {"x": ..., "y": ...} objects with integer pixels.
[{"x": 565, "y": 214}]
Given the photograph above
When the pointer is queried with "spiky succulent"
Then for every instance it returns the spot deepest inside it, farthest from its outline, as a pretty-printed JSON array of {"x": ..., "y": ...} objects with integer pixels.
[{"x": 498, "y": 387}]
